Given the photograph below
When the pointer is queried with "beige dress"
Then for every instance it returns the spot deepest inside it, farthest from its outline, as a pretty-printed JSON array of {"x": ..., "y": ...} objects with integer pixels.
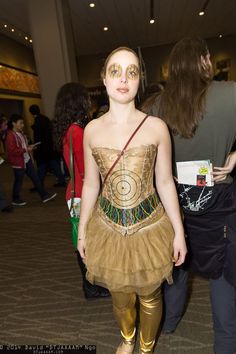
[{"x": 129, "y": 238}]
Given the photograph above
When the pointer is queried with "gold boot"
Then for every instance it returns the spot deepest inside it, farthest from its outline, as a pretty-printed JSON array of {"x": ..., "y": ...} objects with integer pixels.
[{"x": 125, "y": 348}]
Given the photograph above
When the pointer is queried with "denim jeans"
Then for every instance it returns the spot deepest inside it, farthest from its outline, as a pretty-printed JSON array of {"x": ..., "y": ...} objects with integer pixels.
[
  {"x": 175, "y": 296},
  {"x": 30, "y": 171},
  {"x": 54, "y": 167},
  {"x": 223, "y": 302}
]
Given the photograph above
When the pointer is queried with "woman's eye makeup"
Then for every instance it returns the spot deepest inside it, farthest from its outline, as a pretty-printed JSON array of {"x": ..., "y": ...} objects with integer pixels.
[
  {"x": 132, "y": 72},
  {"x": 115, "y": 70}
]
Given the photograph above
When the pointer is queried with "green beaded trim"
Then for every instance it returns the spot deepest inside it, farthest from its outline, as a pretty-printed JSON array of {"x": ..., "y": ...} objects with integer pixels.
[{"x": 129, "y": 217}]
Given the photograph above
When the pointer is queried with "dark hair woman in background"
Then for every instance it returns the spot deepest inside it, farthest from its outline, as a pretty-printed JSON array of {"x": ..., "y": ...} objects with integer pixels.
[
  {"x": 201, "y": 115},
  {"x": 72, "y": 115}
]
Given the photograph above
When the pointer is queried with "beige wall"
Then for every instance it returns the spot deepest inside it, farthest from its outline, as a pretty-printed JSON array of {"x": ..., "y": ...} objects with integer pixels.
[
  {"x": 16, "y": 54},
  {"x": 89, "y": 68},
  {"x": 19, "y": 56},
  {"x": 53, "y": 47}
]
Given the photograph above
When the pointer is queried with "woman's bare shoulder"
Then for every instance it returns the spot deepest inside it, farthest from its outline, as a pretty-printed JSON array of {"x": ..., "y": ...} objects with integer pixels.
[
  {"x": 93, "y": 125},
  {"x": 157, "y": 123}
]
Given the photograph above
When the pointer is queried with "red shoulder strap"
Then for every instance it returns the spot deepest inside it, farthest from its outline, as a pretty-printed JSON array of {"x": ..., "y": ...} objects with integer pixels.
[{"x": 124, "y": 148}]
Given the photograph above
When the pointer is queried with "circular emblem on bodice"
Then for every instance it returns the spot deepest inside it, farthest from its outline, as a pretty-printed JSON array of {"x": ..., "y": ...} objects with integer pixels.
[{"x": 126, "y": 187}]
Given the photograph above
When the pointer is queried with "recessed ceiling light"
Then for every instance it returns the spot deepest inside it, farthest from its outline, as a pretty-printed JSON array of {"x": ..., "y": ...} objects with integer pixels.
[
  {"x": 201, "y": 13},
  {"x": 105, "y": 28},
  {"x": 152, "y": 21},
  {"x": 26, "y": 38},
  {"x": 5, "y": 26},
  {"x": 92, "y": 4},
  {"x": 12, "y": 30},
  {"x": 0, "y": 66},
  {"x": 30, "y": 40},
  {"x": 220, "y": 36}
]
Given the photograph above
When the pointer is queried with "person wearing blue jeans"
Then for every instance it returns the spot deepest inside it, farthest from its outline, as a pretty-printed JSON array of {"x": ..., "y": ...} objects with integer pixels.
[
  {"x": 174, "y": 298},
  {"x": 19, "y": 156},
  {"x": 19, "y": 173},
  {"x": 223, "y": 303},
  {"x": 46, "y": 158},
  {"x": 54, "y": 167}
]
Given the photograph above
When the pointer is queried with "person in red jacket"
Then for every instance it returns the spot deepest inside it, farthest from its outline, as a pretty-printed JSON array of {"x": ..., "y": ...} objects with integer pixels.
[
  {"x": 4, "y": 206},
  {"x": 19, "y": 156},
  {"x": 71, "y": 116}
]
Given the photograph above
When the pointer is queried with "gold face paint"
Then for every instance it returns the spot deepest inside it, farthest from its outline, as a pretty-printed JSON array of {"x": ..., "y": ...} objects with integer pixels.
[
  {"x": 132, "y": 72},
  {"x": 115, "y": 70}
]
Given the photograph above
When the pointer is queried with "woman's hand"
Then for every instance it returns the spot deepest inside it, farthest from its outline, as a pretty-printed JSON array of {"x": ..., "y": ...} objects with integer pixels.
[
  {"x": 81, "y": 247},
  {"x": 221, "y": 173},
  {"x": 30, "y": 148},
  {"x": 180, "y": 250}
]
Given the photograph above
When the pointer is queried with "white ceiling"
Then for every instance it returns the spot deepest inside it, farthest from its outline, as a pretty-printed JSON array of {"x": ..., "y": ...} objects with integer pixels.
[{"x": 128, "y": 21}]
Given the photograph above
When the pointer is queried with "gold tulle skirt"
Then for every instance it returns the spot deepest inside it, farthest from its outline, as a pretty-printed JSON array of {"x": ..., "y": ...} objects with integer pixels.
[{"x": 135, "y": 263}]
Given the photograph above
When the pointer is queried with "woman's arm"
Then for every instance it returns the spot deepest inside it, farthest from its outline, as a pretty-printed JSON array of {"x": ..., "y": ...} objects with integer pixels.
[
  {"x": 167, "y": 191},
  {"x": 91, "y": 187}
]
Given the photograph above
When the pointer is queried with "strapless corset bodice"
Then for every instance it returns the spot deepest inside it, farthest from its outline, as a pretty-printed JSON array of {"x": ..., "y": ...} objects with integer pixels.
[
  {"x": 128, "y": 197},
  {"x": 129, "y": 237},
  {"x": 131, "y": 180}
]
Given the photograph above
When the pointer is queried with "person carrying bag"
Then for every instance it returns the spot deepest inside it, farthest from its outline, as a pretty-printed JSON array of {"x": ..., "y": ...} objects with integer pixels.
[{"x": 71, "y": 117}]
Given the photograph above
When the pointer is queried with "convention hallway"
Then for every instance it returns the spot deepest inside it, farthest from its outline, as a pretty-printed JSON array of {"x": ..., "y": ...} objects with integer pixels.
[{"x": 41, "y": 300}]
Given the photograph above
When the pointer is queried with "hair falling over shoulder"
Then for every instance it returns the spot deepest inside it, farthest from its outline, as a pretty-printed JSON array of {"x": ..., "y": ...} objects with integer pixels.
[{"x": 183, "y": 100}]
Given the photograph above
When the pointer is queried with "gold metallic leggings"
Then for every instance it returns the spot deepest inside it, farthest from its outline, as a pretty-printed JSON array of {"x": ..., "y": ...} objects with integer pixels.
[{"x": 150, "y": 316}]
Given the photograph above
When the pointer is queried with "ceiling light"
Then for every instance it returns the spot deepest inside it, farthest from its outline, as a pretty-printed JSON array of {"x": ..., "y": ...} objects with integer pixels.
[
  {"x": 0, "y": 66},
  {"x": 5, "y": 26},
  {"x": 220, "y": 36},
  {"x": 152, "y": 12},
  {"x": 12, "y": 30},
  {"x": 202, "y": 11},
  {"x": 105, "y": 28},
  {"x": 26, "y": 38},
  {"x": 92, "y": 4},
  {"x": 30, "y": 40}
]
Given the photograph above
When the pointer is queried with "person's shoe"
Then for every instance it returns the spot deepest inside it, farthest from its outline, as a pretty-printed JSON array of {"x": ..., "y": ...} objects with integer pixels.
[
  {"x": 48, "y": 197},
  {"x": 95, "y": 292},
  {"x": 59, "y": 185},
  {"x": 7, "y": 209},
  {"x": 125, "y": 348},
  {"x": 18, "y": 202}
]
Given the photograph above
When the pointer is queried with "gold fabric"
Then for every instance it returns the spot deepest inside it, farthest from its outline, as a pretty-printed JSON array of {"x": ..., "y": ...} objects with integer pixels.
[
  {"x": 136, "y": 257},
  {"x": 150, "y": 317}
]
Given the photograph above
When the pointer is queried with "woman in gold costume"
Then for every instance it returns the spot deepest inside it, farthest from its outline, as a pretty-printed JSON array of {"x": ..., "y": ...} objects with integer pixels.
[{"x": 130, "y": 231}]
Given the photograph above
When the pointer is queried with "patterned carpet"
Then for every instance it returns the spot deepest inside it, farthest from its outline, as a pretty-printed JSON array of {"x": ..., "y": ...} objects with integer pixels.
[{"x": 41, "y": 301}]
